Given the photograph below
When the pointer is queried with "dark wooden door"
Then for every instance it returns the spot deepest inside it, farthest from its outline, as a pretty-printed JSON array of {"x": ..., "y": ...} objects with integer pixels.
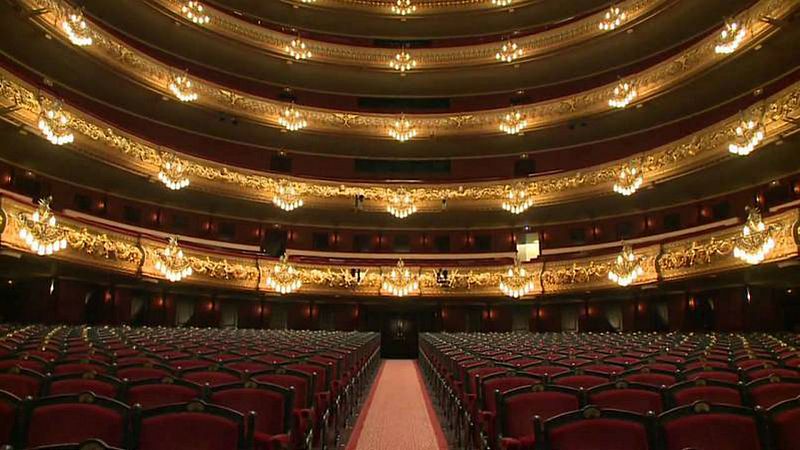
[{"x": 399, "y": 335}]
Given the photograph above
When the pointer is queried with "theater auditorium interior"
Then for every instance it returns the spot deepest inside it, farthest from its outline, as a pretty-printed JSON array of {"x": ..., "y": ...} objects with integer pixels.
[{"x": 400, "y": 224}]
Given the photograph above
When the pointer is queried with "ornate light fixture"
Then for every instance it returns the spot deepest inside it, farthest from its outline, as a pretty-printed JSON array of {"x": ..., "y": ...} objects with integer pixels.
[
  {"x": 292, "y": 119},
  {"x": 623, "y": 94},
  {"x": 403, "y": 7},
  {"x": 629, "y": 180},
  {"x": 756, "y": 241},
  {"x": 172, "y": 263},
  {"x": 54, "y": 122},
  {"x": 626, "y": 268},
  {"x": 518, "y": 199},
  {"x": 513, "y": 122},
  {"x": 516, "y": 282},
  {"x": 283, "y": 277},
  {"x": 41, "y": 232},
  {"x": 181, "y": 86},
  {"x": 748, "y": 134},
  {"x": 173, "y": 172},
  {"x": 297, "y": 49},
  {"x": 730, "y": 38},
  {"x": 400, "y": 281},
  {"x": 403, "y": 62},
  {"x": 502, "y": 3},
  {"x": 286, "y": 196},
  {"x": 401, "y": 204},
  {"x": 612, "y": 19},
  {"x": 77, "y": 30},
  {"x": 508, "y": 52},
  {"x": 196, "y": 12},
  {"x": 402, "y": 129}
]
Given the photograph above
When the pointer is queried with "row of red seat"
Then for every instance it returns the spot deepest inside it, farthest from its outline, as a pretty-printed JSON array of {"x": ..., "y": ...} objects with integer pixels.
[
  {"x": 296, "y": 384},
  {"x": 492, "y": 386}
]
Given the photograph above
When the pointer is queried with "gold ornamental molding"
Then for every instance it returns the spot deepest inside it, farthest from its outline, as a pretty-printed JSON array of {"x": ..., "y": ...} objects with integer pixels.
[
  {"x": 97, "y": 246},
  {"x": 274, "y": 42},
  {"x": 100, "y": 140},
  {"x": 421, "y": 7},
  {"x": 650, "y": 82}
]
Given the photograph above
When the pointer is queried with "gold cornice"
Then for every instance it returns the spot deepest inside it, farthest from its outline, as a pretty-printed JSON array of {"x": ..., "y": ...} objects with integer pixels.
[
  {"x": 110, "y": 249},
  {"x": 650, "y": 82},
  {"x": 532, "y": 46},
  {"x": 101, "y": 141}
]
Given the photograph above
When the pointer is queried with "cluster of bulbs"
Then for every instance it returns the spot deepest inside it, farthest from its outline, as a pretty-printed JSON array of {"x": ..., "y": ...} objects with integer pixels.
[
  {"x": 403, "y": 62},
  {"x": 626, "y": 268},
  {"x": 629, "y": 180},
  {"x": 286, "y": 197},
  {"x": 297, "y": 49},
  {"x": 730, "y": 38},
  {"x": 403, "y": 7},
  {"x": 400, "y": 282},
  {"x": 284, "y": 278},
  {"x": 292, "y": 119},
  {"x": 181, "y": 87},
  {"x": 622, "y": 95},
  {"x": 77, "y": 30},
  {"x": 173, "y": 174},
  {"x": 517, "y": 200},
  {"x": 517, "y": 282},
  {"x": 172, "y": 263},
  {"x": 747, "y": 135},
  {"x": 402, "y": 130},
  {"x": 54, "y": 122},
  {"x": 508, "y": 52},
  {"x": 195, "y": 11},
  {"x": 401, "y": 205},
  {"x": 41, "y": 232},
  {"x": 513, "y": 123}
]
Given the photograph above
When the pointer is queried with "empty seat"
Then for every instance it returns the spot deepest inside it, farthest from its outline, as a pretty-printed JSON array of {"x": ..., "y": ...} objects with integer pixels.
[
  {"x": 784, "y": 420},
  {"x": 65, "y": 419},
  {"x": 101, "y": 385},
  {"x": 595, "y": 429},
  {"x": 9, "y": 407},
  {"x": 272, "y": 405},
  {"x": 624, "y": 396},
  {"x": 516, "y": 409},
  {"x": 709, "y": 391},
  {"x": 580, "y": 381},
  {"x": 195, "y": 425},
  {"x": 710, "y": 427},
  {"x": 21, "y": 382},
  {"x": 767, "y": 392},
  {"x": 167, "y": 391}
]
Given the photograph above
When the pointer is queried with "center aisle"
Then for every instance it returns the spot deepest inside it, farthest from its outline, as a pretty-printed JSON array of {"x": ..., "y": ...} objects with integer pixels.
[{"x": 398, "y": 413}]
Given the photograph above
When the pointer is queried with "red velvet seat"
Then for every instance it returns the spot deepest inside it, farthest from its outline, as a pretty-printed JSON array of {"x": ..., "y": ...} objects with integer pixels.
[
  {"x": 155, "y": 393},
  {"x": 517, "y": 407},
  {"x": 595, "y": 429},
  {"x": 65, "y": 419},
  {"x": 689, "y": 392},
  {"x": 211, "y": 377},
  {"x": 273, "y": 407},
  {"x": 9, "y": 407},
  {"x": 784, "y": 419},
  {"x": 135, "y": 373},
  {"x": 77, "y": 368},
  {"x": 710, "y": 427},
  {"x": 770, "y": 391},
  {"x": 652, "y": 379},
  {"x": 636, "y": 398},
  {"x": 547, "y": 370},
  {"x": 771, "y": 371},
  {"x": 21, "y": 382},
  {"x": 580, "y": 381},
  {"x": 101, "y": 385},
  {"x": 247, "y": 366},
  {"x": 195, "y": 425},
  {"x": 716, "y": 375},
  {"x": 302, "y": 385},
  {"x": 35, "y": 364}
]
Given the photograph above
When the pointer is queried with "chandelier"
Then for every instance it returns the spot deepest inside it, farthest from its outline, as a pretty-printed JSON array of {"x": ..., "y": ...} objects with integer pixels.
[
  {"x": 502, "y": 2},
  {"x": 173, "y": 173},
  {"x": 622, "y": 95},
  {"x": 629, "y": 180},
  {"x": 402, "y": 129},
  {"x": 508, "y": 52},
  {"x": 41, "y": 232},
  {"x": 513, "y": 123},
  {"x": 612, "y": 19},
  {"x": 756, "y": 240},
  {"x": 195, "y": 12},
  {"x": 284, "y": 278},
  {"x": 403, "y": 62},
  {"x": 626, "y": 268},
  {"x": 172, "y": 263},
  {"x": 297, "y": 49},
  {"x": 730, "y": 38},
  {"x": 400, "y": 281},
  {"x": 748, "y": 134},
  {"x": 401, "y": 204},
  {"x": 292, "y": 119},
  {"x": 517, "y": 200},
  {"x": 54, "y": 122},
  {"x": 76, "y": 29},
  {"x": 181, "y": 86},
  {"x": 286, "y": 197},
  {"x": 517, "y": 282},
  {"x": 403, "y": 7}
]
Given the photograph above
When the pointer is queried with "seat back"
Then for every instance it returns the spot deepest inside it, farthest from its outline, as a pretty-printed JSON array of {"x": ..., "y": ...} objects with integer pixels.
[
  {"x": 9, "y": 412},
  {"x": 784, "y": 421},
  {"x": 272, "y": 404},
  {"x": 593, "y": 428},
  {"x": 100, "y": 385},
  {"x": 301, "y": 382},
  {"x": 63, "y": 419},
  {"x": 517, "y": 407},
  {"x": 631, "y": 397},
  {"x": 195, "y": 425},
  {"x": 580, "y": 381},
  {"x": 710, "y": 391},
  {"x": 21, "y": 382},
  {"x": 767, "y": 392},
  {"x": 167, "y": 391},
  {"x": 702, "y": 425},
  {"x": 501, "y": 383}
]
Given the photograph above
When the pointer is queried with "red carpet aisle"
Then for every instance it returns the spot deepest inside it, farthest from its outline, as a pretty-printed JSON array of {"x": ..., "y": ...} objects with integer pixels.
[{"x": 398, "y": 413}]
